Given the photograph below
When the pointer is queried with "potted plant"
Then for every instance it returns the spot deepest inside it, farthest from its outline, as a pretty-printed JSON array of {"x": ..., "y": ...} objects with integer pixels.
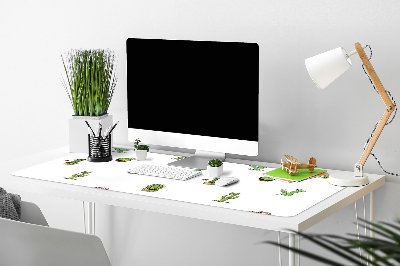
[
  {"x": 141, "y": 150},
  {"x": 215, "y": 168},
  {"x": 382, "y": 251},
  {"x": 90, "y": 83}
]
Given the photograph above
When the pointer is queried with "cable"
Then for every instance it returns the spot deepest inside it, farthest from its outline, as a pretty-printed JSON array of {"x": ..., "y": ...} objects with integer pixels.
[{"x": 387, "y": 123}]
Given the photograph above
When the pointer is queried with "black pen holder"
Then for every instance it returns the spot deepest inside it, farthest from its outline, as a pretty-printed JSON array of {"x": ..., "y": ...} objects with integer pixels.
[{"x": 99, "y": 149}]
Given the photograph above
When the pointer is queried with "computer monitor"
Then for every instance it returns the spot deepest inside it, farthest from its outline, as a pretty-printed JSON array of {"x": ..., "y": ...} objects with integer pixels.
[{"x": 199, "y": 95}]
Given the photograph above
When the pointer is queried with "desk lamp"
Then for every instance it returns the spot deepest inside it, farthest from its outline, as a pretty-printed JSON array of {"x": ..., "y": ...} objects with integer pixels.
[{"x": 323, "y": 70}]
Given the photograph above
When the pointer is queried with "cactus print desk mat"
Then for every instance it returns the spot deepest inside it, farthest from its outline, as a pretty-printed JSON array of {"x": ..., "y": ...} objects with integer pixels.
[{"x": 256, "y": 191}]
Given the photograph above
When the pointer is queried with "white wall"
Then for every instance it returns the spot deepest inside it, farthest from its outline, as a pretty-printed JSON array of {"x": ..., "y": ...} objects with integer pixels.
[{"x": 295, "y": 117}]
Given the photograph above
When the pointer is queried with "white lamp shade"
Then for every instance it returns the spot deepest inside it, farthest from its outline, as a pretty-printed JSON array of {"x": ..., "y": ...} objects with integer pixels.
[{"x": 326, "y": 67}]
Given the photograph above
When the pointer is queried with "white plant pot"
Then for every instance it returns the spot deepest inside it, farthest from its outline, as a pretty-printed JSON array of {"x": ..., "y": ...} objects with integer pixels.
[
  {"x": 141, "y": 155},
  {"x": 214, "y": 171},
  {"x": 78, "y": 131}
]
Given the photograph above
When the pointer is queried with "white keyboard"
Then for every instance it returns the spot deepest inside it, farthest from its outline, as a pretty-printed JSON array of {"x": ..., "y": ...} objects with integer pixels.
[{"x": 165, "y": 172}]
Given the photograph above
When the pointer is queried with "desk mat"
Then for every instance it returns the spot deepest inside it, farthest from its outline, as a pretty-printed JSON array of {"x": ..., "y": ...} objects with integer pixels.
[{"x": 252, "y": 193}]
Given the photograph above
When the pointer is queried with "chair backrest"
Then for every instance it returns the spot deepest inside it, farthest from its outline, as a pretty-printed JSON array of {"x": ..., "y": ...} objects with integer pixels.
[
  {"x": 36, "y": 245},
  {"x": 32, "y": 214}
]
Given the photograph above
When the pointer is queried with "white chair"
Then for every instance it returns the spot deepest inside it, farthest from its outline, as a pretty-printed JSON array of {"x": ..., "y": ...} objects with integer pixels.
[{"x": 32, "y": 243}]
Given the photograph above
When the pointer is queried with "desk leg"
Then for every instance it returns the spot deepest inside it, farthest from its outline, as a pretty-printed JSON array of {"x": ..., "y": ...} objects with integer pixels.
[
  {"x": 89, "y": 217},
  {"x": 292, "y": 245},
  {"x": 372, "y": 214},
  {"x": 372, "y": 210}
]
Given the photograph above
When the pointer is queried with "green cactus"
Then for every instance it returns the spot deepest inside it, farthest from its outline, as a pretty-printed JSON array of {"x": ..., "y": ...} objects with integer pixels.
[
  {"x": 179, "y": 158},
  {"x": 266, "y": 178},
  {"x": 125, "y": 159},
  {"x": 120, "y": 150},
  {"x": 255, "y": 167},
  {"x": 213, "y": 181},
  {"x": 75, "y": 176},
  {"x": 285, "y": 193},
  {"x": 153, "y": 187},
  {"x": 74, "y": 161},
  {"x": 231, "y": 195}
]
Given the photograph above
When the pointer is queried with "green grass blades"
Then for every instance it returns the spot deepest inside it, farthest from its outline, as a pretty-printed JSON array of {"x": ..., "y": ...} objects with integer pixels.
[
  {"x": 383, "y": 250},
  {"x": 91, "y": 80}
]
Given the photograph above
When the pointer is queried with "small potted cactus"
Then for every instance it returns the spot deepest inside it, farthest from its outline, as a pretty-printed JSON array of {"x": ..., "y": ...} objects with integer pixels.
[
  {"x": 214, "y": 168},
  {"x": 141, "y": 150}
]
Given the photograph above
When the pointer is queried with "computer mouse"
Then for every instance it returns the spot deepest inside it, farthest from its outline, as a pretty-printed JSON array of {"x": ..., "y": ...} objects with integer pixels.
[{"x": 225, "y": 181}]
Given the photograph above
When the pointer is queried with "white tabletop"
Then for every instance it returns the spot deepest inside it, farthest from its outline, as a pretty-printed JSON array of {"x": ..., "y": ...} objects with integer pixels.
[{"x": 162, "y": 204}]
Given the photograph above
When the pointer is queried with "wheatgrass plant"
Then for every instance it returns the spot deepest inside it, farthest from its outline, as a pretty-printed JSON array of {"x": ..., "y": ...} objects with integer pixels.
[{"x": 91, "y": 76}]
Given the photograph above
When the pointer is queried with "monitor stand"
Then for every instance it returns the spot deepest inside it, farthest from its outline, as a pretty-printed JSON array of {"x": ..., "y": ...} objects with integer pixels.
[{"x": 199, "y": 160}]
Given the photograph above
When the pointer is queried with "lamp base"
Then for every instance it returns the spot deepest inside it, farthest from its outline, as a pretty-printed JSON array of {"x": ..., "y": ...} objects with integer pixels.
[{"x": 348, "y": 180}]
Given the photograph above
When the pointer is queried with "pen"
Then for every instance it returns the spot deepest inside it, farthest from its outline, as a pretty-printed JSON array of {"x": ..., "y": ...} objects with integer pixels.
[
  {"x": 112, "y": 129},
  {"x": 89, "y": 127},
  {"x": 105, "y": 133},
  {"x": 101, "y": 127}
]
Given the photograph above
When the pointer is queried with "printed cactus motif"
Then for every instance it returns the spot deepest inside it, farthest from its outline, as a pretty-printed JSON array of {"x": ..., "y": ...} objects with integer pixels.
[
  {"x": 74, "y": 161},
  {"x": 153, "y": 188},
  {"x": 285, "y": 193},
  {"x": 231, "y": 195},
  {"x": 75, "y": 176}
]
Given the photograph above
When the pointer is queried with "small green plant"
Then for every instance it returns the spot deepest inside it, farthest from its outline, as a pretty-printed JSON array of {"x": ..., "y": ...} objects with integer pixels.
[
  {"x": 91, "y": 80},
  {"x": 215, "y": 163},
  {"x": 140, "y": 147}
]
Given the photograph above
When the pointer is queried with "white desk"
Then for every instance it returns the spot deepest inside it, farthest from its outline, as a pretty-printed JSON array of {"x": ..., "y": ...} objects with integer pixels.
[{"x": 298, "y": 223}]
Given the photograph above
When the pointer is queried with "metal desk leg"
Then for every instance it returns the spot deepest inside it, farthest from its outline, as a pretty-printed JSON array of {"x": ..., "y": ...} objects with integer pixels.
[
  {"x": 89, "y": 217},
  {"x": 372, "y": 209},
  {"x": 291, "y": 253},
  {"x": 372, "y": 213}
]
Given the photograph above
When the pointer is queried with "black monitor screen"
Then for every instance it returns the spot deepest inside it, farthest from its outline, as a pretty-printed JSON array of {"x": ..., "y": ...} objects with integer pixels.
[{"x": 193, "y": 87}]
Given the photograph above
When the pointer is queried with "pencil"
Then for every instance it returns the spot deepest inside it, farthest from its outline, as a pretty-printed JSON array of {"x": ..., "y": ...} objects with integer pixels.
[
  {"x": 112, "y": 129},
  {"x": 89, "y": 127}
]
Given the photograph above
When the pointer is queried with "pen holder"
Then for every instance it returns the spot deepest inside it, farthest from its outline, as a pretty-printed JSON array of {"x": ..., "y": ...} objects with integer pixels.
[{"x": 99, "y": 149}]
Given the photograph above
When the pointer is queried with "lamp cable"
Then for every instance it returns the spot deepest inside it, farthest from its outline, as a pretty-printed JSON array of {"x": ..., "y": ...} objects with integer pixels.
[{"x": 387, "y": 123}]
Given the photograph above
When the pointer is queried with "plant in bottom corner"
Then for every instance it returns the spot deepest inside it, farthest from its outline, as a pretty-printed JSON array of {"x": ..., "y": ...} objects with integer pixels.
[{"x": 382, "y": 251}]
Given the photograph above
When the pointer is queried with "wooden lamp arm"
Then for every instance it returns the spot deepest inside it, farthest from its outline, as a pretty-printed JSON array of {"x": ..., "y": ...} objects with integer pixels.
[{"x": 389, "y": 109}]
